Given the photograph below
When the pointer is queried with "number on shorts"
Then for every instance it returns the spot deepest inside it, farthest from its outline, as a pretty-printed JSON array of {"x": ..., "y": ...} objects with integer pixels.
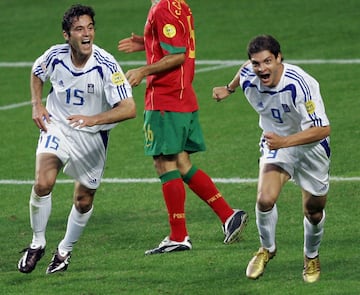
[
  {"x": 271, "y": 154},
  {"x": 149, "y": 136},
  {"x": 52, "y": 142}
]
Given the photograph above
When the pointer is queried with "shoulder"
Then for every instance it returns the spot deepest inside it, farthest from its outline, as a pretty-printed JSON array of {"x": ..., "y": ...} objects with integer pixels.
[
  {"x": 246, "y": 70},
  {"x": 298, "y": 75},
  {"x": 104, "y": 59},
  {"x": 168, "y": 7},
  {"x": 98, "y": 51},
  {"x": 53, "y": 54},
  {"x": 57, "y": 50}
]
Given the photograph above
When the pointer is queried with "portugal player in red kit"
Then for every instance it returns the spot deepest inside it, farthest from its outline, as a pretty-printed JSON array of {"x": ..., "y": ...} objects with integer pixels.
[{"x": 171, "y": 123}]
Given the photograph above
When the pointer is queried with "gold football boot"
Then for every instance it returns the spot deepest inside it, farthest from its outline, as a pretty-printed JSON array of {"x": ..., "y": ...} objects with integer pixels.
[
  {"x": 257, "y": 264},
  {"x": 311, "y": 272}
]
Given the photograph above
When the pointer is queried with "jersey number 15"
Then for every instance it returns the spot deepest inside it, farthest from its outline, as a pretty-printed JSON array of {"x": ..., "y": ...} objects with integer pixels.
[{"x": 75, "y": 97}]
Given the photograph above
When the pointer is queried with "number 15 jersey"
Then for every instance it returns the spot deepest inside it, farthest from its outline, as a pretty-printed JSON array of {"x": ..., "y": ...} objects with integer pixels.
[{"x": 88, "y": 91}]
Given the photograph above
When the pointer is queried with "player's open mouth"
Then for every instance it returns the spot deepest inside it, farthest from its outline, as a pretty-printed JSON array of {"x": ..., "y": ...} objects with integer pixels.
[
  {"x": 85, "y": 42},
  {"x": 265, "y": 76}
]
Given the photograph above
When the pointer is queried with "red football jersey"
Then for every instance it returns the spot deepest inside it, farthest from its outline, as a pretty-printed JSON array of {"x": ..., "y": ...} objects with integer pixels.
[{"x": 170, "y": 29}]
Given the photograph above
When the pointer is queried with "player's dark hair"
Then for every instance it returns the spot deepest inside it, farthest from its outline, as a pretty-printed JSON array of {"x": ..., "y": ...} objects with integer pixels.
[
  {"x": 264, "y": 42},
  {"x": 74, "y": 12}
]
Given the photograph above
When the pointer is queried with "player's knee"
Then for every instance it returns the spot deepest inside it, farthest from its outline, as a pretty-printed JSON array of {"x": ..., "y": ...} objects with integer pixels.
[
  {"x": 265, "y": 203},
  {"x": 42, "y": 188},
  {"x": 314, "y": 216},
  {"x": 83, "y": 207},
  {"x": 84, "y": 202}
]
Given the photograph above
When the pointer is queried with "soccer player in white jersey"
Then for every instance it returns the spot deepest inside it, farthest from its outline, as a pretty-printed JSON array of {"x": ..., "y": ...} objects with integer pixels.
[
  {"x": 294, "y": 145},
  {"x": 88, "y": 97}
]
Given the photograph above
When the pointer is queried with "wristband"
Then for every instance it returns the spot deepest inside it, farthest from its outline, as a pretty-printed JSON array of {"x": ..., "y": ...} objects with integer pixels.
[{"x": 229, "y": 89}]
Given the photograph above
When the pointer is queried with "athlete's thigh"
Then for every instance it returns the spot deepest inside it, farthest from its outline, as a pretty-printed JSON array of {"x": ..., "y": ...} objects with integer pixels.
[
  {"x": 271, "y": 180},
  {"x": 46, "y": 170}
]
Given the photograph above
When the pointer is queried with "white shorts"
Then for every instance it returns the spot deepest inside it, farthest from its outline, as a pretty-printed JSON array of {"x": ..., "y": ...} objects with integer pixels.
[
  {"x": 83, "y": 154},
  {"x": 307, "y": 165}
]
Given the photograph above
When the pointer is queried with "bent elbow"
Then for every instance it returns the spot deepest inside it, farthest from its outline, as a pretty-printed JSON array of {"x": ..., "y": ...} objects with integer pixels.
[{"x": 327, "y": 130}]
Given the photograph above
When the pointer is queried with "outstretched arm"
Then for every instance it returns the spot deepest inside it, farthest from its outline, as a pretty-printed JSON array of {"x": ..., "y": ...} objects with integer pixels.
[{"x": 222, "y": 92}]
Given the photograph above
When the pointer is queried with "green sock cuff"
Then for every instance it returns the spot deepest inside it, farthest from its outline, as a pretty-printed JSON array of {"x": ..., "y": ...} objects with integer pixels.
[
  {"x": 170, "y": 176},
  {"x": 189, "y": 175}
]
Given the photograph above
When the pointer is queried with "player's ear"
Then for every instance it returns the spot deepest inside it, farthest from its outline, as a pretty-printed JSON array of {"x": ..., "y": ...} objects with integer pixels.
[{"x": 66, "y": 36}]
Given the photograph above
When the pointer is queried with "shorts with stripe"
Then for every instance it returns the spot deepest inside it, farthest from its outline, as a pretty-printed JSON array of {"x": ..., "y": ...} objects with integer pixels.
[
  {"x": 83, "y": 154},
  {"x": 308, "y": 165}
]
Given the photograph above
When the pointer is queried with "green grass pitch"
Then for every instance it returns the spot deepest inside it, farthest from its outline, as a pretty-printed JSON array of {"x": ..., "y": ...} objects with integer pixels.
[{"x": 321, "y": 36}]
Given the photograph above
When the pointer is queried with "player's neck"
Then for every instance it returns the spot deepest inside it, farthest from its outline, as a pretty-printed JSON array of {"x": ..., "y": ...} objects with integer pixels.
[{"x": 79, "y": 60}]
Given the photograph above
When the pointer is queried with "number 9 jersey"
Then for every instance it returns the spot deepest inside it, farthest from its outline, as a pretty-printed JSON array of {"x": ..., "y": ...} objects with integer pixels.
[{"x": 293, "y": 105}]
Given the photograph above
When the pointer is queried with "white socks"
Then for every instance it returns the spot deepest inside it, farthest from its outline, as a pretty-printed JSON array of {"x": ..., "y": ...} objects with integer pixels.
[
  {"x": 75, "y": 226},
  {"x": 40, "y": 208},
  {"x": 312, "y": 236},
  {"x": 266, "y": 224}
]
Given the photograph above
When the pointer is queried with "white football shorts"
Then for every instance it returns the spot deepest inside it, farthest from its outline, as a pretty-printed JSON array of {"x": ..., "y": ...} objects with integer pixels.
[
  {"x": 307, "y": 165},
  {"x": 83, "y": 154}
]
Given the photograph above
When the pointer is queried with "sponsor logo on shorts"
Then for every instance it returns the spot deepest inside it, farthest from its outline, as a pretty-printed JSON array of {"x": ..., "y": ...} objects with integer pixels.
[
  {"x": 93, "y": 181},
  {"x": 324, "y": 188}
]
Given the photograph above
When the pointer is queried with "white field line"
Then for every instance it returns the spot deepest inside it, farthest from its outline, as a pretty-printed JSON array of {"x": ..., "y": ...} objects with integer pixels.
[
  {"x": 212, "y": 66},
  {"x": 234, "y": 180},
  {"x": 26, "y": 64}
]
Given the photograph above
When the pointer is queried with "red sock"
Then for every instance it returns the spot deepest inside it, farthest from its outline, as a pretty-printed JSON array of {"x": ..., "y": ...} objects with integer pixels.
[
  {"x": 174, "y": 196},
  {"x": 202, "y": 185}
]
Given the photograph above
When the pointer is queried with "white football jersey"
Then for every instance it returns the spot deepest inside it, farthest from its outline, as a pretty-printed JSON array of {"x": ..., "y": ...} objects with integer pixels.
[
  {"x": 91, "y": 90},
  {"x": 295, "y": 104}
]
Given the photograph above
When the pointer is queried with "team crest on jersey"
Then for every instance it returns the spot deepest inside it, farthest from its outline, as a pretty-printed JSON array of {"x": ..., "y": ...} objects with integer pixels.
[
  {"x": 310, "y": 107},
  {"x": 61, "y": 83},
  {"x": 91, "y": 88},
  {"x": 169, "y": 31},
  {"x": 286, "y": 108},
  {"x": 117, "y": 78}
]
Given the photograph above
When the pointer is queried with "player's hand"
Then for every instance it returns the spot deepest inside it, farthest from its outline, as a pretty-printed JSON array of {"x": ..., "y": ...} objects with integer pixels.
[
  {"x": 273, "y": 140},
  {"x": 134, "y": 76},
  {"x": 220, "y": 93},
  {"x": 131, "y": 44},
  {"x": 79, "y": 121},
  {"x": 40, "y": 115}
]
